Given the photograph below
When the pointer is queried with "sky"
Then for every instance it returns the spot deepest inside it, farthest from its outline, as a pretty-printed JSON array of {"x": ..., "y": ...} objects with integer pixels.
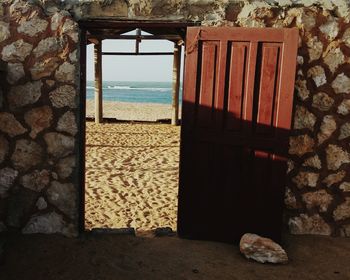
[{"x": 133, "y": 68}]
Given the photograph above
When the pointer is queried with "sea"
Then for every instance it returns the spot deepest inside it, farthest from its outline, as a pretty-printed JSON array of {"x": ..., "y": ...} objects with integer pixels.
[{"x": 134, "y": 92}]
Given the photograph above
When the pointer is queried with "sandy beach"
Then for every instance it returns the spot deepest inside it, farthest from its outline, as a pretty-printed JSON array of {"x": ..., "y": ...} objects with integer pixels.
[
  {"x": 132, "y": 111},
  {"x": 132, "y": 171}
]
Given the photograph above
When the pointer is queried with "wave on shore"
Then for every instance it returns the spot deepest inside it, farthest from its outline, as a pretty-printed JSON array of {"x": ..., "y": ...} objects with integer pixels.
[{"x": 135, "y": 92}]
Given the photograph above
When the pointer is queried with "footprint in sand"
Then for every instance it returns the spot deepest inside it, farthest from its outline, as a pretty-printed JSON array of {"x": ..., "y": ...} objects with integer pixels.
[{"x": 144, "y": 198}]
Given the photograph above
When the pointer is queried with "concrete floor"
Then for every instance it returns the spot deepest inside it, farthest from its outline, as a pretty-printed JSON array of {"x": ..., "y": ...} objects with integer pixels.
[{"x": 102, "y": 257}]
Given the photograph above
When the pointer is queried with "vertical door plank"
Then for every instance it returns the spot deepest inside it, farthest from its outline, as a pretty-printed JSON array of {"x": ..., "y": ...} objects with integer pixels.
[
  {"x": 220, "y": 84},
  {"x": 236, "y": 85},
  {"x": 250, "y": 83},
  {"x": 287, "y": 79},
  {"x": 208, "y": 79},
  {"x": 269, "y": 67},
  {"x": 190, "y": 84}
]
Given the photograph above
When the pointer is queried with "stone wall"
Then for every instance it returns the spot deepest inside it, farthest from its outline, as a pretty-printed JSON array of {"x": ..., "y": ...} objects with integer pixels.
[
  {"x": 38, "y": 128},
  {"x": 38, "y": 188}
]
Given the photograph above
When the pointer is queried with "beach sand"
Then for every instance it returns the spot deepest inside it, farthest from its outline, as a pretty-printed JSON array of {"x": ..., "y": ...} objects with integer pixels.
[
  {"x": 132, "y": 172},
  {"x": 132, "y": 111}
]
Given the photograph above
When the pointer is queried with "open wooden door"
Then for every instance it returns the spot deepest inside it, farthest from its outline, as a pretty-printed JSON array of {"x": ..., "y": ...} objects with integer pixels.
[{"x": 237, "y": 109}]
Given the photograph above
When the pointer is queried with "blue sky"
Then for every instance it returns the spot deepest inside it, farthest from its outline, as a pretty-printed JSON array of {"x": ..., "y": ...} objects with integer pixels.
[{"x": 133, "y": 68}]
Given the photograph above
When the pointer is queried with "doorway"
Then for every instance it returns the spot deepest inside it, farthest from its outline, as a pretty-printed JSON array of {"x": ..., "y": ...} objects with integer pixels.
[{"x": 131, "y": 164}]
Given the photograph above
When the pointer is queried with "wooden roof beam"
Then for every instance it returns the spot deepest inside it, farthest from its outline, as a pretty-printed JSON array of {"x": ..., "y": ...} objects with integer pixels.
[
  {"x": 137, "y": 53},
  {"x": 170, "y": 37}
]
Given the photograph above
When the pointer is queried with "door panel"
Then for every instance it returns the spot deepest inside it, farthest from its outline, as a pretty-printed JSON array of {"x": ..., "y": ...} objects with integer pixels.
[
  {"x": 237, "y": 104},
  {"x": 237, "y": 73},
  {"x": 207, "y": 86},
  {"x": 267, "y": 91}
]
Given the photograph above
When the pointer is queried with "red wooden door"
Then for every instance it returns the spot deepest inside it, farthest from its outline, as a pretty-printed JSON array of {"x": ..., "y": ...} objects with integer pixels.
[{"x": 237, "y": 108}]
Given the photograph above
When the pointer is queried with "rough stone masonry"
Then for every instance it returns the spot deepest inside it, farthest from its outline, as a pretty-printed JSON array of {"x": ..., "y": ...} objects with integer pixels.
[{"x": 39, "y": 101}]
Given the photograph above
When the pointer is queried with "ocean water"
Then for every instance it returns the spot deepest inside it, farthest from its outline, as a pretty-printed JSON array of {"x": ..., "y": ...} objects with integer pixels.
[{"x": 137, "y": 92}]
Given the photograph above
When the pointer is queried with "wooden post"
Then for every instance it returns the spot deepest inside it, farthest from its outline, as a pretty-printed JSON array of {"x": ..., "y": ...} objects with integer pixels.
[
  {"x": 176, "y": 84},
  {"x": 98, "y": 82},
  {"x": 138, "y": 41}
]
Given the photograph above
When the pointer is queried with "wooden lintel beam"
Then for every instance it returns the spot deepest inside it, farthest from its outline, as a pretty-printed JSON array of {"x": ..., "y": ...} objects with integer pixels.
[{"x": 170, "y": 37}]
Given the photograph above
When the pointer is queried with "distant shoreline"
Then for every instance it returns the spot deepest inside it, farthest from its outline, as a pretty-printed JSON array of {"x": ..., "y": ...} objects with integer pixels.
[{"x": 134, "y": 92}]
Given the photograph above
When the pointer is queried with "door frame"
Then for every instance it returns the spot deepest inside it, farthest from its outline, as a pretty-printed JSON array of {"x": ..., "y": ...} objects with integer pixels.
[{"x": 84, "y": 26}]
